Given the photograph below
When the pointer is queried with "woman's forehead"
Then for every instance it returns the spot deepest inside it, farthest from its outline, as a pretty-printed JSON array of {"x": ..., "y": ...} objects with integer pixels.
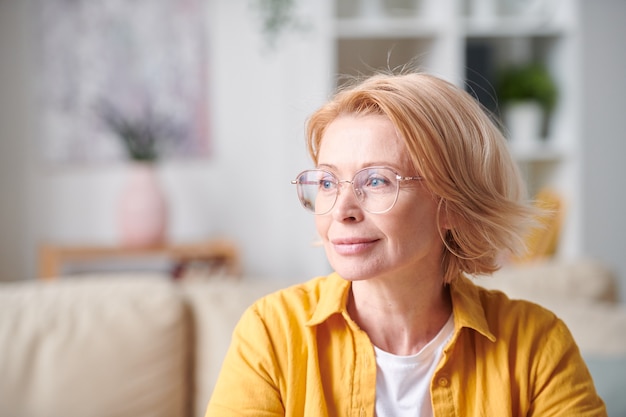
[{"x": 363, "y": 141}]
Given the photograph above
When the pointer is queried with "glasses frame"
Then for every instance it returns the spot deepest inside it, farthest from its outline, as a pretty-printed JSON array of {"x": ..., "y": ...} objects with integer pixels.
[{"x": 399, "y": 178}]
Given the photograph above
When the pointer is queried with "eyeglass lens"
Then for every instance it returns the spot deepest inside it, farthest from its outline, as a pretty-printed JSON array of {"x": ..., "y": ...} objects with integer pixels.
[{"x": 376, "y": 189}]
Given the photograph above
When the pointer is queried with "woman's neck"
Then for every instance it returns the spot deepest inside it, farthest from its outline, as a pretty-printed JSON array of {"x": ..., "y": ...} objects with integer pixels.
[{"x": 400, "y": 316}]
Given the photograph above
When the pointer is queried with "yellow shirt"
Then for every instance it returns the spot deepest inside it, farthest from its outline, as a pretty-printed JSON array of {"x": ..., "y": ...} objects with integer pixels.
[{"x": 298, "y": 353}]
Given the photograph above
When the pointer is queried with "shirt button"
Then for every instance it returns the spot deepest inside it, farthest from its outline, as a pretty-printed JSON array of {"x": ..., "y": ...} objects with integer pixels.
[{"x": 443, "y": 382}]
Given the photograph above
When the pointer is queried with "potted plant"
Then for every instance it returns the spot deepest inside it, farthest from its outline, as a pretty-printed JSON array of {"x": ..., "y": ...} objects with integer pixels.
[
  {"x": 528, "y": 95},
  {"x": 142, "y": 209},
  {"x": 144, "y": 137}
]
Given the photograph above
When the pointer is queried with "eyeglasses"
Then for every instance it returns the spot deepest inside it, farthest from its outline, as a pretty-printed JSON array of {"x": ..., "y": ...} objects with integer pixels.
[{"x": 376, "y": 189}]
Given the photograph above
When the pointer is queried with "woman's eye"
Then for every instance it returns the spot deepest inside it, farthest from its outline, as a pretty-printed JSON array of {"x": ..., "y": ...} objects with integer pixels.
[
  {"x": 374, "y": 182},
  {"x": 327, "y": 183}
]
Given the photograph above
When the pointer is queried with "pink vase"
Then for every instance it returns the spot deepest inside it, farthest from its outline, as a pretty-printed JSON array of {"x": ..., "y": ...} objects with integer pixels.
[{"x": 142, "y": 208}]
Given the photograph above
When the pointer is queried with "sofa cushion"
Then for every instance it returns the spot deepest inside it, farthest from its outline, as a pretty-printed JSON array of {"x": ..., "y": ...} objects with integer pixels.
[
  {"x": 93, "y": 347},
  {"x": 571, "y": 280},
  {"x": 217, "y": 305}
]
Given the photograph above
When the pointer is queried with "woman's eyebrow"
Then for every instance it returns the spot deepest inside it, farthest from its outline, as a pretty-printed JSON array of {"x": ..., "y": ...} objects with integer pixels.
[
  {"x": 366, "y": 165},
  {"x": 329, "y": 166}
]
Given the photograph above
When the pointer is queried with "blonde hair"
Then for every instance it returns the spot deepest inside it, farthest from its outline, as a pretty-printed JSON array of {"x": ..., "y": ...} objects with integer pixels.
[{"x": 461, "y": 154}]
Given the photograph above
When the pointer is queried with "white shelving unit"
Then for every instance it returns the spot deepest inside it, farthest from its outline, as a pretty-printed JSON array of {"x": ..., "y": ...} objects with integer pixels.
[{"x": 468, "y": 42}]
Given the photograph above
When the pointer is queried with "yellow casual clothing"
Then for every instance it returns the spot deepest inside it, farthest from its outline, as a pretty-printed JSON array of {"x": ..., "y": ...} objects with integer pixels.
[{"x": 298, "y": 353}]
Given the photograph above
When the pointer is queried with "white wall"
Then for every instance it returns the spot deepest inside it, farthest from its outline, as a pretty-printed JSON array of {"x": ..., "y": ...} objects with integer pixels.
[
  {"x": 604, "y": 101},
  {"x": 259, "y": 99}
]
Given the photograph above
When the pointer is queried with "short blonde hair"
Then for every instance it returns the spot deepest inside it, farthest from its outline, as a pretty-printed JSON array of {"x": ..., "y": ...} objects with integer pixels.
[{"x": 461, "y": 154}]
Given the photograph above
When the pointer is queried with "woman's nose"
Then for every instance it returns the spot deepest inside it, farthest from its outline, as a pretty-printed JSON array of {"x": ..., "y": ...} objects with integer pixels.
[{"x": 347, "y": 206}]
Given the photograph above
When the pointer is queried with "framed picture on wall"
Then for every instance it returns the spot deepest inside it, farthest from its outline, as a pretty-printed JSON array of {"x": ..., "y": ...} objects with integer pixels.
[{"x": 146, "y": 60}]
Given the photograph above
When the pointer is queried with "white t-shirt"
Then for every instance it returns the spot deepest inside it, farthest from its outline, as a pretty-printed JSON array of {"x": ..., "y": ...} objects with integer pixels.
[{"x": 403, "y": 382}]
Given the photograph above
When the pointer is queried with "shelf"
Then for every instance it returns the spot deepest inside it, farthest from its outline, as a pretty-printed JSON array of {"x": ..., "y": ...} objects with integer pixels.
[
  {"x": 422, "y": 27},
  {"x": 511, "y": 27},
  {"x": 384, "y": 28},
  {"x": 470, "y": 41},
  {"x": 541, "y": 152},
  {"x": 216, "y": 253}
]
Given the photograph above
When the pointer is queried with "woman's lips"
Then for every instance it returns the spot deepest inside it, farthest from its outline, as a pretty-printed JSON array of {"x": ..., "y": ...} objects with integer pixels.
[{"x": 352, "y": 246}]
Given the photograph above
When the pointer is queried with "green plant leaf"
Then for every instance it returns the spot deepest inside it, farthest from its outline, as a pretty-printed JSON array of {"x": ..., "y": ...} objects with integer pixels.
[{"x": 530, "y": 82}]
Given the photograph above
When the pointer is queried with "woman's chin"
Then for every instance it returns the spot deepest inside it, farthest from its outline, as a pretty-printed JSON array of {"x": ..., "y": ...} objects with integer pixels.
[{"x": 352, "y": 272}]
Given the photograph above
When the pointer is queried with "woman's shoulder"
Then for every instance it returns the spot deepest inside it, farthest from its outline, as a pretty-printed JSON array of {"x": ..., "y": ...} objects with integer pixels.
[
  {"x": 497, "y": 301},
  {"x": 498, "y": 304},
  {"x": 527, "y": 322},
  {"x": 302, "y": 301},
  {"x": 507, "y": 323},
  {"x": 505, "y": 315}
]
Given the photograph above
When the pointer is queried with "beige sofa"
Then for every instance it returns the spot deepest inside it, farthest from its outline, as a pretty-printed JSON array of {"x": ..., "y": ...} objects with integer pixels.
[
  {"x": 142, "y": 345},
  {"x": 119, "y": 345}
]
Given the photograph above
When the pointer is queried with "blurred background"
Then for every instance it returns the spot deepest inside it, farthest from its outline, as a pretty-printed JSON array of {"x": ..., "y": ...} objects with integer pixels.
[{"x": 229, "y": 84}]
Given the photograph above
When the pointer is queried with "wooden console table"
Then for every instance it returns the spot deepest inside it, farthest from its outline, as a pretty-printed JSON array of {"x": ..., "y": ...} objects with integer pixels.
[{"x": 217, "y": 253}]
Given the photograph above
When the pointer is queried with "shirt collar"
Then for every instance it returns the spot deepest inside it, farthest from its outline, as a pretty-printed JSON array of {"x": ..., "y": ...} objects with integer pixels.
[
  {"x": 333, "y": 299},
  {"x": 467, "y": 307}
]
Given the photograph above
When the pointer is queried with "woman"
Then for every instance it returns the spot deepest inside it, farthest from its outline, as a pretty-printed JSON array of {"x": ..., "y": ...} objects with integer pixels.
[{"x": 413, "y": 189}]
